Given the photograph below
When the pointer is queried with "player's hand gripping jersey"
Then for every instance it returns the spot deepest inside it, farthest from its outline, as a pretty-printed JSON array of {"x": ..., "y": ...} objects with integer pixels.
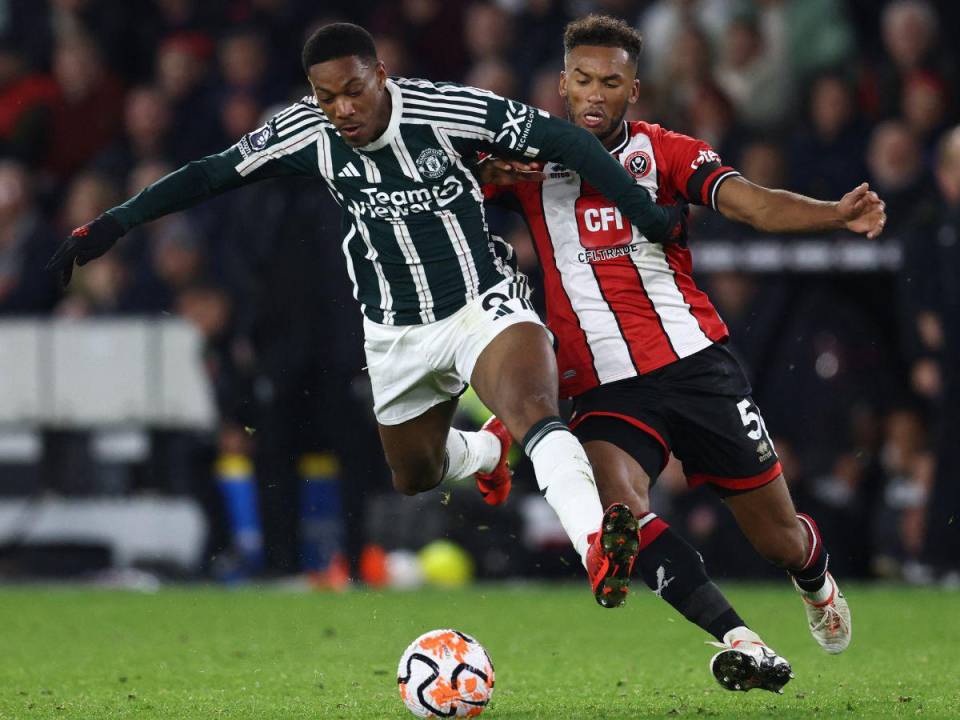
[
  {"x": 414, "y": 232},
  {"x": 618, "y": 304}
]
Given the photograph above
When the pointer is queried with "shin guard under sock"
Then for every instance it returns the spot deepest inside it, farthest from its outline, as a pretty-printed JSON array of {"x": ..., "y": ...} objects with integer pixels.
[
  {"x": 811, "y": 577},
  {"x": 565, "y": 477},
  {"x": 675, "y": 572}
]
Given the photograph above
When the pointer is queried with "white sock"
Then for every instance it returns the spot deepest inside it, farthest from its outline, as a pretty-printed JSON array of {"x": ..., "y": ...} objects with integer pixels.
[
  {"x": 469, "y": 453},
  {"x": 818, "y": 597},
  {"x": 565, "y": 476},
  {"x": 741, "y": 633}
]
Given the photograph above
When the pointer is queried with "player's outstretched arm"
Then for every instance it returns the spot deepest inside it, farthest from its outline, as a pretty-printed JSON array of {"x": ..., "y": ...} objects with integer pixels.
[
  {"x": 270, "y": 151},
  {"x": 580, "y": 150},
  {"x": 183, "y": 188},
  {"x": 861, "y": 210},
  {"x": 519, "y": 129}
]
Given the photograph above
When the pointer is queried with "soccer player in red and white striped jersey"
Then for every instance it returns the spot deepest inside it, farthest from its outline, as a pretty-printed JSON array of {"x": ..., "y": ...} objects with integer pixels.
[{"x": 640, "y": 347}]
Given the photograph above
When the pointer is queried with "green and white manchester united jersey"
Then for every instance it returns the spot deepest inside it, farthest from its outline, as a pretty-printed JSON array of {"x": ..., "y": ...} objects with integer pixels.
[
  {"x": 415, "y": 236},
  {"x": 414, "y": 233}
]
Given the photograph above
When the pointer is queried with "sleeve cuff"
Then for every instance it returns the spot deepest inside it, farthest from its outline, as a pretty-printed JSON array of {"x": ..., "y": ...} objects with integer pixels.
[
  {"x": 703, "y": 184},
  {"x": 713, "y": 185}
]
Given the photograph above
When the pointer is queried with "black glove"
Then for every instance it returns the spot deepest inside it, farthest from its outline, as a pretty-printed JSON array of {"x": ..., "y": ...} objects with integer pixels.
[
  {"x": 677, "y": 229},
  {"x": 86, "y": 243}
]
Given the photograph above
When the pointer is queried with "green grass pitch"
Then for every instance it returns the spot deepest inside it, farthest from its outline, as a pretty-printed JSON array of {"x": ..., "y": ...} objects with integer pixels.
[{"x": 209, "y": 653}]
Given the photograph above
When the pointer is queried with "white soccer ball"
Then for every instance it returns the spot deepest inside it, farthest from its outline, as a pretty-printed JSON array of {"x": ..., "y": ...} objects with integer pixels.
[{"x": 445, "y": 673}]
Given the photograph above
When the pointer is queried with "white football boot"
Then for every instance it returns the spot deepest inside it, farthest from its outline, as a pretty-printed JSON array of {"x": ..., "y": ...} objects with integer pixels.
[
  {"x": 829, "y": 619},
  {"x": 746, "y": 663}
]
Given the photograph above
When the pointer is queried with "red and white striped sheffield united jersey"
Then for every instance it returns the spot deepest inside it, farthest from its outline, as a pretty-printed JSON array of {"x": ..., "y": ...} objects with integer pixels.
[{"x": 619, "y": 305}]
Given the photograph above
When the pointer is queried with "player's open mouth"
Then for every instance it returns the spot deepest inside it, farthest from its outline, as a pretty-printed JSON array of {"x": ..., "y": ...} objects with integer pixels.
[
  {"x": 350, "y": 131},
  {"x": 593, "y": 119}
]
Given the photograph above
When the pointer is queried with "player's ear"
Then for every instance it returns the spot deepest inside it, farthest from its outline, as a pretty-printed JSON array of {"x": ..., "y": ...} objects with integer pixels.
[
  {"x": 381, "y": 71},
  {"x": 634, "y": 92},
  {"x": 563, "y": 83}
]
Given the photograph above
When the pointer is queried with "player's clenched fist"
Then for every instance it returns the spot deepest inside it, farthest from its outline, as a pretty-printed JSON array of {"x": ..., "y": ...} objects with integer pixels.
[{"x": 86, "y": 243}]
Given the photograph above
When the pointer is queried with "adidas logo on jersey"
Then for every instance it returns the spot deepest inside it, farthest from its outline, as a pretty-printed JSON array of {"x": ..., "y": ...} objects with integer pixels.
[{"x": 349, "y": 171}]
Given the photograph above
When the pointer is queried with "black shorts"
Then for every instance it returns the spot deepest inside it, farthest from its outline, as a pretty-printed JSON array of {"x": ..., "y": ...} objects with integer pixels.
[{"x": 699, "y": 408}]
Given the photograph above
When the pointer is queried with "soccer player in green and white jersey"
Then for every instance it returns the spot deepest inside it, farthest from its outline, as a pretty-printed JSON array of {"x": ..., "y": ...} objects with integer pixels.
[{"x": 441, "y": 309}]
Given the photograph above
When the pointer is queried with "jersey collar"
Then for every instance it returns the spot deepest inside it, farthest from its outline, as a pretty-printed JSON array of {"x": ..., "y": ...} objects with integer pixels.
[
  {"x": 393, "y": 127},
  {"x": 623, "y": 143}
]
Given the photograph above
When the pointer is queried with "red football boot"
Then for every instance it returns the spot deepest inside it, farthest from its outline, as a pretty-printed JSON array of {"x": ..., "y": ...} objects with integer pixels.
[
  {"x": 495, "y": 486},
  {"x": 611, "y": 555}
]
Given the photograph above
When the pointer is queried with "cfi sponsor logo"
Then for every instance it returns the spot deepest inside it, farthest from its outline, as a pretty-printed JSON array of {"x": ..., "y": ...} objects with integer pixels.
[
  {"x": 432, "y": 163},
  {"x": 638, "y": 164}
]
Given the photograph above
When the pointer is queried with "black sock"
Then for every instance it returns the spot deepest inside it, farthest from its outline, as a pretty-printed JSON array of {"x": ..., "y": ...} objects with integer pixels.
[
  {"x": 675, "y": 572},
  {"x": 813, "y": 574}
]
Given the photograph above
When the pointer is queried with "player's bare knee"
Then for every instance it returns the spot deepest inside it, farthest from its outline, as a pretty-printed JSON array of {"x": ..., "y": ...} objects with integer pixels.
[
  {"x": 418, "y": 478},
  {"x": 402, "y": 484},
  {"x": 411, "y": 485}
]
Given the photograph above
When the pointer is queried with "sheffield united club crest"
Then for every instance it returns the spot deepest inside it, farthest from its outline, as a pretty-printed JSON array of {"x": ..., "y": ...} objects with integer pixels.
[{"x": 638, "y": 164}]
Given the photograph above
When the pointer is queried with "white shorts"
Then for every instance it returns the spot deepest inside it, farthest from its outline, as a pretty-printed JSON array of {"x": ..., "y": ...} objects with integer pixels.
[{"x": 414, "y": 367}]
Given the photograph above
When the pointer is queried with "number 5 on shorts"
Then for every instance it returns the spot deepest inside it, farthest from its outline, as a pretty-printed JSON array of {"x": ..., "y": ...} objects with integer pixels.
[{"x": 750, "y": 416}]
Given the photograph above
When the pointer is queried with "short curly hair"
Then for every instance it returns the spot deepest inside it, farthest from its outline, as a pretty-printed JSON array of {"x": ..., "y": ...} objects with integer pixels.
[
  {"x": 604, "y": 31},
  {"x": 338, "y": 40}
]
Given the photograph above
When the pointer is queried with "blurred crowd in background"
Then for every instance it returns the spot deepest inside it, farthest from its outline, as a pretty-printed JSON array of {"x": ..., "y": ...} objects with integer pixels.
[{"x": 854, "y": 372}]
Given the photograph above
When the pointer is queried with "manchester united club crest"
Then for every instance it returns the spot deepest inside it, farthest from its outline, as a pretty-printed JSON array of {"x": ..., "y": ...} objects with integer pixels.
[
  {"x": 638, "y": 164},
  {"x": 432, "y": 163}
]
